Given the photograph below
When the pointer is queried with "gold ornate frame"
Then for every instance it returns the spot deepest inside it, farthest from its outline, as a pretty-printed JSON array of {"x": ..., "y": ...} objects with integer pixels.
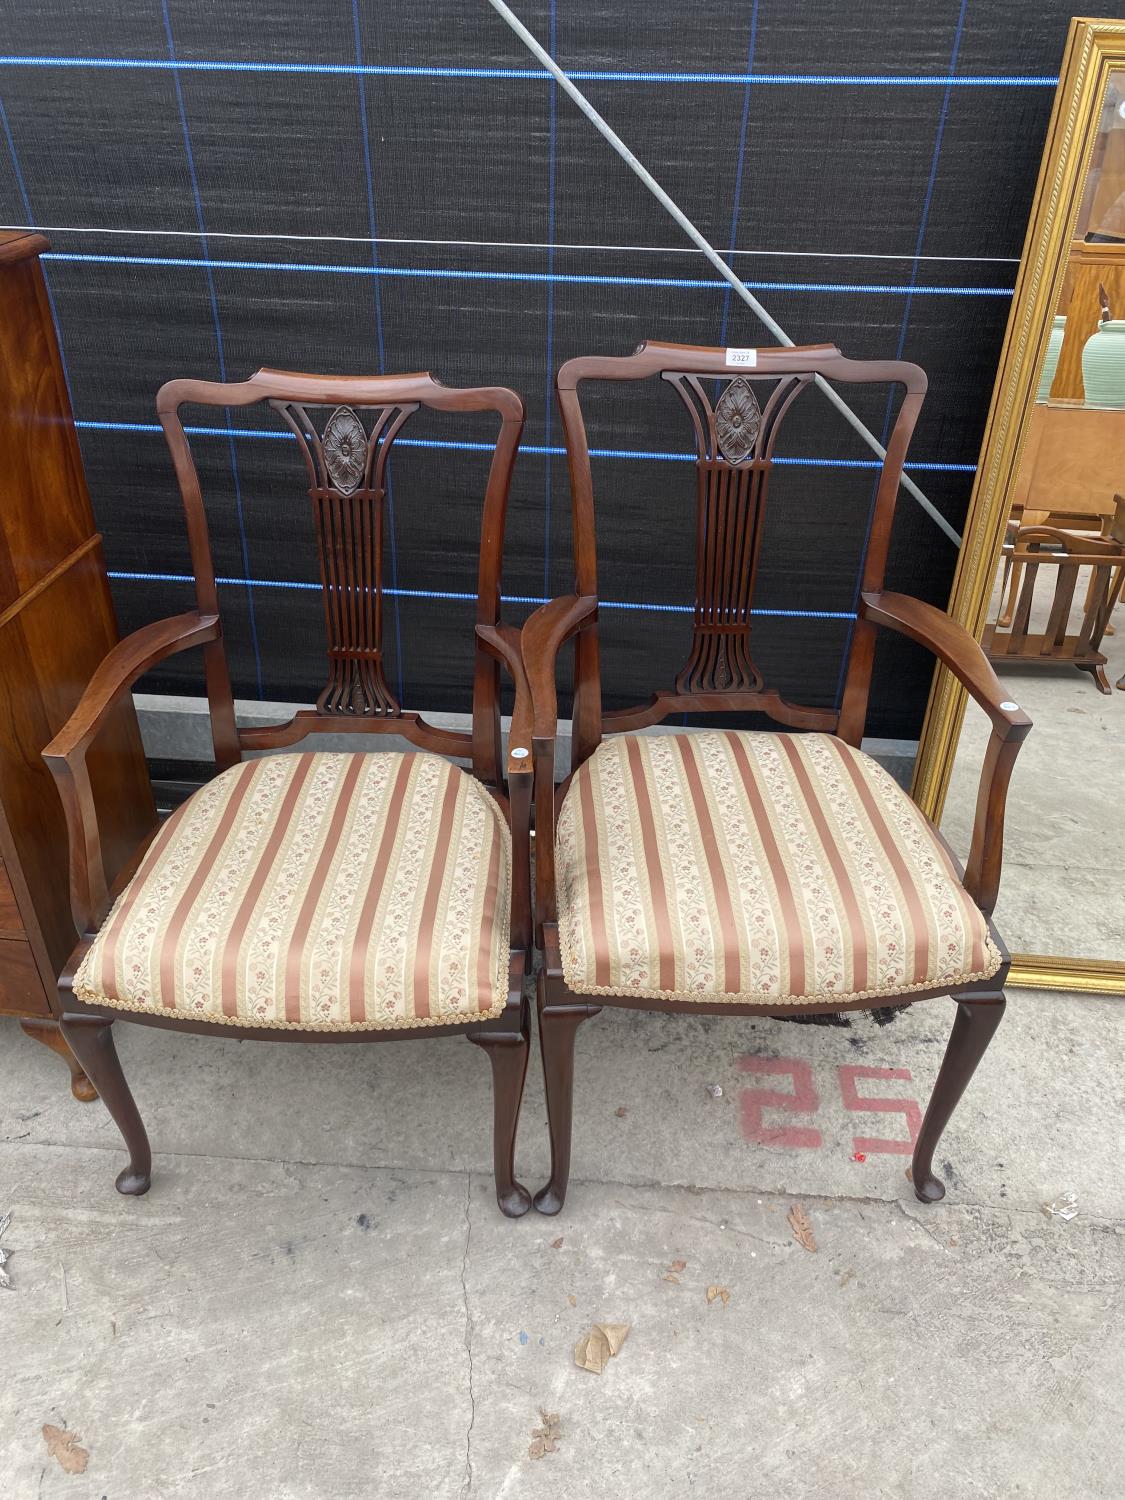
[{"x": 1093, "y": 49}]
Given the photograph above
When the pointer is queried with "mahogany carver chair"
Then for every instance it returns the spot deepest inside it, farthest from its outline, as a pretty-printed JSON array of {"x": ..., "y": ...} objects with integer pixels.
[
  {"x": 316, "y": 896},
  {"x": 751, "y": 872}
]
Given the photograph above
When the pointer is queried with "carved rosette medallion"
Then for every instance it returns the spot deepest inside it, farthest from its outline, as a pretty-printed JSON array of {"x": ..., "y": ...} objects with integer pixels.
[
  {"x": 738, "y": 419},
  {"x": 345, "y": 449}
]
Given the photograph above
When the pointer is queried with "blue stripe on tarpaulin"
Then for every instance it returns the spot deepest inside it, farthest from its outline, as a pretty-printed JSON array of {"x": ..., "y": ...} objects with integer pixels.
[
  {"x": 525, "y": 447},
  {"x": 218, "y": 327},
  {"x": 466, "y": 598},
  {"x": 441, "y": 274},
  {"x": 590, "y": 75},
  {"x": 539, "y": 448}
]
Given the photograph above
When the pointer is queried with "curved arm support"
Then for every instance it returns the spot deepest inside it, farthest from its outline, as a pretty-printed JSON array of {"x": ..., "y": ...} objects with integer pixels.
[
  {"x": 952, "y": 644},
  {"x": 66, "y": 754},
  {"x": 503, "y": 643},
  {"x": 542, "y": 636}
]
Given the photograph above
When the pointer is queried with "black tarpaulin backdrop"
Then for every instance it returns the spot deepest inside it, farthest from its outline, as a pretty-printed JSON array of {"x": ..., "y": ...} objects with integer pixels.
[{"x": 355, "y": 187}]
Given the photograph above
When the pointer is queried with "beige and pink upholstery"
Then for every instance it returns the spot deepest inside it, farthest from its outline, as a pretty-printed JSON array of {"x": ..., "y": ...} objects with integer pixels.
[
  {"x": 756, "y": 867},
  {"x": 317, "y": 891}
]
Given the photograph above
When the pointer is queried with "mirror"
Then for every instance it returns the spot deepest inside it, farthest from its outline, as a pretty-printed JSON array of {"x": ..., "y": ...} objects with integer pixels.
[{"x": 1041, "y": 580}]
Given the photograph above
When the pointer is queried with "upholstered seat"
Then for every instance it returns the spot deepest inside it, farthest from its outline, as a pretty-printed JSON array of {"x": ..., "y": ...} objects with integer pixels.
[
  {"x": 320, "y": 892},
  {"x": 756, "y": 867}
]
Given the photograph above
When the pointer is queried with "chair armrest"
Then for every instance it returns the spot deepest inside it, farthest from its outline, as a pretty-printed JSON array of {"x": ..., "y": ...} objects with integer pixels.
[
  {"x": 542, "y": 636},
  {"x": 66, "y": 753},
  {"x": 956, "y": 648},
  {"x": 952, "y": 644}
]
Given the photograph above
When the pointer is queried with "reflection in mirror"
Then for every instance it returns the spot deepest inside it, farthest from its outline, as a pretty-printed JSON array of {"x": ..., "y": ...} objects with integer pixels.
[{"x": 1055, "y": 632}]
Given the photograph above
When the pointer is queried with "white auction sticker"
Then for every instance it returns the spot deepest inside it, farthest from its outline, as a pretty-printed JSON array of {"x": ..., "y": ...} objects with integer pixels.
[{"x": 746, "y": 359}]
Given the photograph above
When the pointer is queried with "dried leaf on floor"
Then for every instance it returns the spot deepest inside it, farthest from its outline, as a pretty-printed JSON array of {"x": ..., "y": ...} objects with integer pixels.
[
  {"x": 678, "y": 1265},
  {"x": 801, "y": 1225},
  {"x": 64, "y": 1446},
  {"x": 545, "y": 1439},
  {"x": 595, "y": 1349},
  {"x": 572, "y": 1299},
  {"x": 672, "y": 1277},
  {"x": 718, "y": 1294},
  {"x": 557, "y": 1244}
]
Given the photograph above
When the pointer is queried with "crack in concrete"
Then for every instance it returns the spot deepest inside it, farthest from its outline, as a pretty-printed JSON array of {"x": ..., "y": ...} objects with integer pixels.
[
  {"x": 928, "y": 1229},
  {"x": 467, "y": 1482}
]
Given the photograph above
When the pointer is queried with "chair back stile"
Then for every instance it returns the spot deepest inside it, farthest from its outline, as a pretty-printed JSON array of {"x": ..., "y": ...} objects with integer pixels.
[
  {"x": 734, "y": 438},
  {"x": 346, "y": 462}
]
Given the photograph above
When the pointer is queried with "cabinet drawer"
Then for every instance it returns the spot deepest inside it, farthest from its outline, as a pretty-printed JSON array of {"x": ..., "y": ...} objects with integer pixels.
[
  {"x": 10, "y": 923},
  {"x": 21, "y": 989}
]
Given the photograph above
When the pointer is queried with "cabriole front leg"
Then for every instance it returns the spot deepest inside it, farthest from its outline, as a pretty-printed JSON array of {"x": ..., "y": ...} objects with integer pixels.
[
  {"x": 90, "y": 1038},
  {"x": 559, "y": 1021},
  {"x": 508, "y": 1053},
  {"x": 973, "y": 1028}
]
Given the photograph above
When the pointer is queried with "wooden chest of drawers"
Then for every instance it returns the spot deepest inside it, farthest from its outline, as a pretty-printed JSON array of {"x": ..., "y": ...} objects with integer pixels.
[
  {"x": 21, "y": 988},
  {"x": 56, "y": 623}
]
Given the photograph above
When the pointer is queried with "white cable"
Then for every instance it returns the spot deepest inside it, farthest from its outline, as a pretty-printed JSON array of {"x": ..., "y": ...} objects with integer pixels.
[
  {"x": 390, "y": 239},
  {"x": 650, "y": 182}
]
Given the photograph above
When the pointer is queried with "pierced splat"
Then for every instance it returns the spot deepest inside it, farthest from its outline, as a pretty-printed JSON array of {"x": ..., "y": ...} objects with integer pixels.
[
  {"x": 347, "y": 466},
  {"x": 734, "y": 441}
]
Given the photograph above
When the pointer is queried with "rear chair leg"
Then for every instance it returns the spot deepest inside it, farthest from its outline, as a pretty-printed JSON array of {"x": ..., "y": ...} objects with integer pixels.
[
  {"x": 508, "y": 1053},
  {"x": 49, "y": 1034},
  {"x": 90, "y": 1038},
  {"x": 558, "y": 1025},
  {"x": 973, "y": 1028}
]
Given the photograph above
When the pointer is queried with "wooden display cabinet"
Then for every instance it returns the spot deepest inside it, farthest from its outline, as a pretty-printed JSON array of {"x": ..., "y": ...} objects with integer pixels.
[{"x": 56, "y": 623}]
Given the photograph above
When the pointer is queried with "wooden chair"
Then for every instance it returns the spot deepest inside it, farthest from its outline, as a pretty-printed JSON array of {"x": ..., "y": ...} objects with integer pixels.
[
  {"x": 315, "y": 896},
  {"x": 1064, "y": 554},
  {"x": 742, "y": 873}
]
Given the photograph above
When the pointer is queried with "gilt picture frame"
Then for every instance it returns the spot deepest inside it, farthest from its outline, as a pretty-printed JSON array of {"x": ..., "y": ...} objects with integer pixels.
[{"x": 1094, "y": 49}]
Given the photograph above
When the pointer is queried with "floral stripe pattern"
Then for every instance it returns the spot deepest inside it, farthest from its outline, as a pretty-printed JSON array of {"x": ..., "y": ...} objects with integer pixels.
[
  {"x": 756, "y": 867},
  {"x": 319, "y": 892}
]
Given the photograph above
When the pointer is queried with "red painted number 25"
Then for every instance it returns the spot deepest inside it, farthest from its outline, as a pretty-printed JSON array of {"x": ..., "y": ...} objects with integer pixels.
[{"x": 805, "y": 1100}]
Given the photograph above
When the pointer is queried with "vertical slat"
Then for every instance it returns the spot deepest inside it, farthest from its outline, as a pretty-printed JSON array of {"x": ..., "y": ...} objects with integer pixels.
[
  {"x": 1017, "y": 639},
  {"x": 702, "y": 522},
  {"x": 1059, "y": 618}
]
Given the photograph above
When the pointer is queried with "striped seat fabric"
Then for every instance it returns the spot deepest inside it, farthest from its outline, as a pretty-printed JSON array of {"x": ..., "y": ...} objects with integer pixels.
[
  {"x": 756, "y": 867},
  {"x": 319, "y": 892}
]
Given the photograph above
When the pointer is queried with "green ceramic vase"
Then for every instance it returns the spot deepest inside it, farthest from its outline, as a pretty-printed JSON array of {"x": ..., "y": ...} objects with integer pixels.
[
  {"x": 1051, "y": 362},
  {"x": 1103, "y": 365}
]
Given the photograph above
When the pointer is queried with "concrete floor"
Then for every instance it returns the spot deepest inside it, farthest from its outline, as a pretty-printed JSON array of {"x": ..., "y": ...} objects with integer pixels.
[{"x": 318, "y": 1298}]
